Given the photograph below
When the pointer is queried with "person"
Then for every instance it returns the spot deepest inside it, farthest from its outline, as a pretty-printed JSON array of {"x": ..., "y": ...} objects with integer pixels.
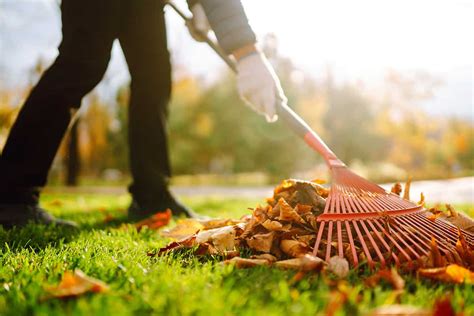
[{"x": 89, "y": 28}]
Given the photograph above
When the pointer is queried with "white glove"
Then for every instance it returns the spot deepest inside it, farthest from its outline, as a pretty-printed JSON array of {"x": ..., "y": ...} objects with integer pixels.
[
  {"x": 259, "y": 86},
  {"x": 198, "y": 25}
]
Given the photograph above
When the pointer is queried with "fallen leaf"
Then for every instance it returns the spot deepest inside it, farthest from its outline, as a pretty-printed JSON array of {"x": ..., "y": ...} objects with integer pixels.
[
  {"x": 265, "y": 256},
  {"x": 304, "y": 263},
  {"x": 261, "y": 242},
  {"x": 272, "y": 225},
  {"x": 294, "y": 248},
  {"x": 155, "y": 221},
  {"x": 421, "y": 202},
  {"x": 433, "y": 217},
  {"x": 390, "y": 276},
  {"x": 406, "y": 192},
  {"x": 183, "y": 229},
  {"x": 76, "y": 283},
  {"x": 246, "y": 263},
  {"x": 222, "y": 238},
  {"x": 396, "y": 189},
  {"x": 453, "y": 273},
  {"x": 338, "y": 266},
  {"x": 435, "y": 257},
  {"x": 287, "y": 213}
]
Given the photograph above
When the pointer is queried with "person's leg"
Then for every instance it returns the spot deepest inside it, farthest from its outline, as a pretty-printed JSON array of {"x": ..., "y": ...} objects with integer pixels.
[
  {"x": 88, "y": 33},
  {"x": 143, "y": 40}
]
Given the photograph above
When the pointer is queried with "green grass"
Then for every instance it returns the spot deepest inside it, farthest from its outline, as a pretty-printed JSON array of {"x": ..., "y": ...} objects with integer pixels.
[{"x": 36, "y": 256}]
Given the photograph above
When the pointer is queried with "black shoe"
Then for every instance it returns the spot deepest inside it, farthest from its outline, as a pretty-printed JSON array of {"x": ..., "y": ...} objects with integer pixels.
[
  {"x": 137, "y": 211},
  {"x": 21, "y": 214}
]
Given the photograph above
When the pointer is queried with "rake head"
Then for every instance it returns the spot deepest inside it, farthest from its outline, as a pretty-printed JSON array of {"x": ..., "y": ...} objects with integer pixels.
[{"x": 363, "y": 222}]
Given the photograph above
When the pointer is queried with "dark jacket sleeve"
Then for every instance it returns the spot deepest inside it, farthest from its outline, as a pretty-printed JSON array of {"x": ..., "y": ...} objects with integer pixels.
[{"x": 229, "y": 22}]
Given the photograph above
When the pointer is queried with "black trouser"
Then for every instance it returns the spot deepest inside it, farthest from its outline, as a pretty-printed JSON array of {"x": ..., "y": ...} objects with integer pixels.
[{"x": 89, "y": 28}]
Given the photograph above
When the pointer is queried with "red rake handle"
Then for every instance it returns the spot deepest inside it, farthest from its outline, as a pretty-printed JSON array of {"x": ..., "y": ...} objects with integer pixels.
[{"x": 291, "y": 119}]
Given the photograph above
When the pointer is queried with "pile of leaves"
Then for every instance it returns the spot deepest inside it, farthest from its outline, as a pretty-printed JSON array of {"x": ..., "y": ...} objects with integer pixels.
[{"x": 282, "y": 234}]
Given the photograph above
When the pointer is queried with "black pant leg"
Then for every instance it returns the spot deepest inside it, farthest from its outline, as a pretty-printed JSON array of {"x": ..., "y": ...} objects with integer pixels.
[
  {"x": 143, "y": 40},
  {"x": 89, "y": 29}
]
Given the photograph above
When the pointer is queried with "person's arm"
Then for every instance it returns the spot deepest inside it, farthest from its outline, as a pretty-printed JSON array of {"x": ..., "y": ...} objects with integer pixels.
[{"x": 257, "y": 83}]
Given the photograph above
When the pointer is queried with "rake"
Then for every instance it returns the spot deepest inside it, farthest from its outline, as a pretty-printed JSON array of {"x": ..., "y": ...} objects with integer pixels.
[{"x": 361, "y": 221}]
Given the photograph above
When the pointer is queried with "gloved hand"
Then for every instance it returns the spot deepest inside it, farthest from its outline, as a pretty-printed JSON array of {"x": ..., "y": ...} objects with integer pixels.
[
  {"x": 198, "y": 25},
  {"x": 258, "y": 85}
]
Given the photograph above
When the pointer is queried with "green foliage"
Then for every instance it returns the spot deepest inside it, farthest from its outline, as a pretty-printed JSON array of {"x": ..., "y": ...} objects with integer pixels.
[{"x": 36, "y": 256}]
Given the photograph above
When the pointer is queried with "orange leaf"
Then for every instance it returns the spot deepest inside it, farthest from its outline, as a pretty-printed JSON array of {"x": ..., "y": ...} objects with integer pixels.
[
  {"x": 453, "y": 273},
  {"x": 76, "y": 283},
  {"x": 433, "y": 217},
  {"x": 155, "y": 221},
  {"x": 435, "y": 255},
  {"x": 390, "y": 276},
  {"x": 406, "y": 192}
]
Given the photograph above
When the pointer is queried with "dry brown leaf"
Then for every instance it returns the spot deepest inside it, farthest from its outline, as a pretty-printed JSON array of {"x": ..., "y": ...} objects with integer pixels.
[
  {"x": 183, "y": 229},
  {"x": 76, "y": 283},
  {"x": 435, "y": 257},
  {"x": 247, "y": 263},
  {"x": 272, "y": 225},
  {"x": 433, "y": 217},
  {"x": 294, "y": 248},
  {"x": 265, "y": 256},
  {"x": 390, "y": 276},
  {"x": 406, "y": 192},
  {"x": 453, "y": 273},
  {"x": 304, "y": 263},
  {"x": 217, "y": 222},
  {"x": 261, "y": 242},
  {"x": 338, "y": 266},
  {"x": 222, "y": 238},
  {"x": 155, "y": 221},
  {"x": 421, "y": 202},
  {"x": 287, "y": 213},
  {"x": 396, "y": 189}
]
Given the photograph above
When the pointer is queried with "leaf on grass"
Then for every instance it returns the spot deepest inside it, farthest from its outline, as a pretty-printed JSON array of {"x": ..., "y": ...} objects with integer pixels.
[
  {"x": 453, "y": 273},
  {"x": 76, "y": 283},
  {"x": 304, "y": 263},
  {"x": 265, "y": 256},
  {"x": 156, "y": 221},
  {"x": 339, "y": 267},
  {"x": 183, "y": 229},
  {"x": 247, "y": 263},
  {"x": 390, "y": 276},
  {"x": 222, "y": 238}
]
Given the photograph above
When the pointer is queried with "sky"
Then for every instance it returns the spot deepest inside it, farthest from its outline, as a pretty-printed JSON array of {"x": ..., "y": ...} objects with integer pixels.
[{"x": 360, "y": 40}]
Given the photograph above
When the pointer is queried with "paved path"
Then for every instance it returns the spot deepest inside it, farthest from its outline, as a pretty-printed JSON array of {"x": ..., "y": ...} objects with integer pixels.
[{"x": 460, "y": 190}]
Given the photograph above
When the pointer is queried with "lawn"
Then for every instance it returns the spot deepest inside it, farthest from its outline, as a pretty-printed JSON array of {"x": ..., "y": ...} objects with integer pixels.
[{"x": 36, "y": 256}]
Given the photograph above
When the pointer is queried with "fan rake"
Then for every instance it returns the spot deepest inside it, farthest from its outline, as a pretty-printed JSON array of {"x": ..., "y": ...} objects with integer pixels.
[{"x": 361, "y": 221}]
